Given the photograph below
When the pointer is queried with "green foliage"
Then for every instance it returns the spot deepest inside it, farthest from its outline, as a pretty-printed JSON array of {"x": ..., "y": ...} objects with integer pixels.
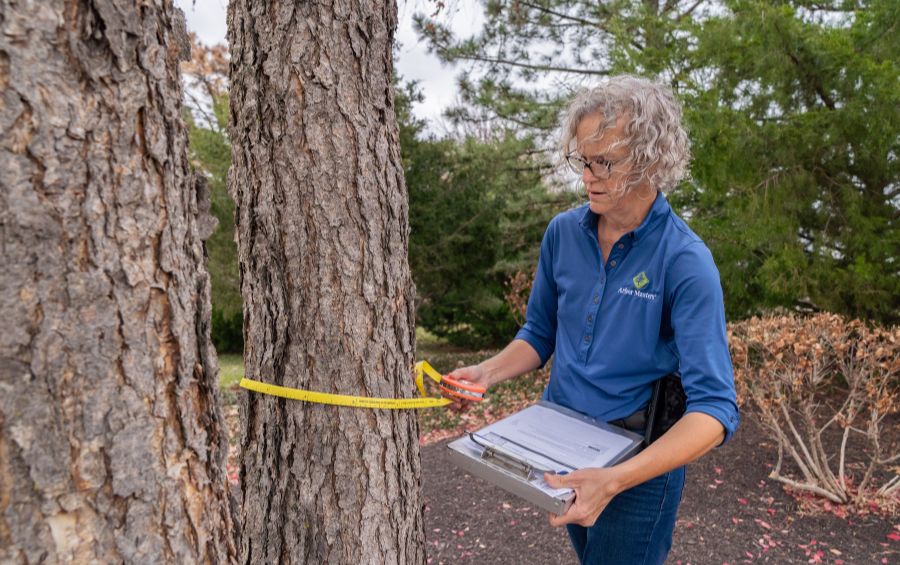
[
  {"x": 231, "y": 370},
  {"x": 210, "y": 153},
  {"x": 477, "y": 212},
  {"x": 796, "y": 139},
  {"x": 791, "y": 106}
]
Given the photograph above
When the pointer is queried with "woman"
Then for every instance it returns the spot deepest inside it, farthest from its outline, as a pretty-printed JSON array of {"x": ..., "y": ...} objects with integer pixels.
[{"x": 624, "y": 294}]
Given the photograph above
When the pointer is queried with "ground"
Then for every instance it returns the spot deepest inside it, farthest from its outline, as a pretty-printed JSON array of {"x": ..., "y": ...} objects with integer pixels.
[{"x": 731, "y": 513}]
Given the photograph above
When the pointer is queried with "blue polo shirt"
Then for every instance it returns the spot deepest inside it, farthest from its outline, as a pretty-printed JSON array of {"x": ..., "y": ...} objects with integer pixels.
[{"x": 655, "y": 307}]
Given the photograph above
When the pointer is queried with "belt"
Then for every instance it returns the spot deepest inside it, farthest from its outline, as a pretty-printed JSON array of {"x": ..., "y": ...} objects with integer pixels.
[{"x": 636, "y": 422}]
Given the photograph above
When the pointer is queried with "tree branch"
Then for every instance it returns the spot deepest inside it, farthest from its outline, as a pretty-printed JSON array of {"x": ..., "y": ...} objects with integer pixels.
[
  {"x": 688, "y": 12},
  {"x": 807, "y": 487},
  {"x": 497, "y": 61},
  {"x": 568, "y": 17}
]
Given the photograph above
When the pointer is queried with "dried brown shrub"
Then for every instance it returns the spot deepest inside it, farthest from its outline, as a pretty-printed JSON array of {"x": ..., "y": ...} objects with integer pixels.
[
  {"x": 518, "y": 288},
  {"x": 807, "y": 375}
]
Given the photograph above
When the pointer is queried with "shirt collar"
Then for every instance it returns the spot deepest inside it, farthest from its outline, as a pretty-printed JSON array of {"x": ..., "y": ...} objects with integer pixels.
[{"x": 658, "y": 212}]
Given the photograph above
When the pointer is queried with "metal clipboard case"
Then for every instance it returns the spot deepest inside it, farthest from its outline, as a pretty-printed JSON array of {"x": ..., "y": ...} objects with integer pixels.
[{"x": 513, "y": 453}]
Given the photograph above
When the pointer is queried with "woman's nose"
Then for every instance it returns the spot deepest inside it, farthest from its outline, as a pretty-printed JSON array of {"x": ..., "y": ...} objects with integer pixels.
[{"x": 588, "y": 176}]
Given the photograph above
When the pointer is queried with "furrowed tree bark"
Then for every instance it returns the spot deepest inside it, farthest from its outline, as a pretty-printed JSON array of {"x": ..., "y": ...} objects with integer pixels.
[
  {"x": 328, "y": 297},
  {"x": 112, "y": 442}
]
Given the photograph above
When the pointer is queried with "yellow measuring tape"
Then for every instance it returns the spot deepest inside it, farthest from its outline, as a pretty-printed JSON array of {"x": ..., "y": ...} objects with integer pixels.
[{"x": 422, "y": 369}]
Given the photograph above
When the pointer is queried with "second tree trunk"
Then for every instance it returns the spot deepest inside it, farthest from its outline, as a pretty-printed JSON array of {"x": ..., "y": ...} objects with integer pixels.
[{"x": 328, "y": 298}]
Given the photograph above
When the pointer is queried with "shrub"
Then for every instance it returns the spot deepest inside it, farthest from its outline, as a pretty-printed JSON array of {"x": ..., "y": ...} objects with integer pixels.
[
  {"x": 227, "y": 331},
  {"x": 808, "y": 375}
]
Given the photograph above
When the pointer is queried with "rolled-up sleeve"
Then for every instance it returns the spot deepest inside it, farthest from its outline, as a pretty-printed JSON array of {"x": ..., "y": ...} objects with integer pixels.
[
  {"x": 539, "y": 330},
  {"x": 698, "y": 324}
]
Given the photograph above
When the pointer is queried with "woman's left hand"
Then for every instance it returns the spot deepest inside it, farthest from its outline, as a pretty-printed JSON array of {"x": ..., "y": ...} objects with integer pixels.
[{"x": 594, "y": 488}]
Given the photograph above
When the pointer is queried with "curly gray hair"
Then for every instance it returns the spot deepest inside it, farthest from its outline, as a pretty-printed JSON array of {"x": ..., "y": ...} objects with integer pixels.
[{"x": 659, "y": 146}]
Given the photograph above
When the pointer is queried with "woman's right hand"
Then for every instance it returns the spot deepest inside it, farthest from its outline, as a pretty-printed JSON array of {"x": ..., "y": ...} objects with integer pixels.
[
  {"x": 474, "y": 374},
  {"x": 516, "y": 359}
]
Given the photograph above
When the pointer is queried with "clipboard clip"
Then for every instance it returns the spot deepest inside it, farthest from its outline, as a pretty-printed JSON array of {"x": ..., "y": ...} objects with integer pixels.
[{"x": 509, "y": 462}]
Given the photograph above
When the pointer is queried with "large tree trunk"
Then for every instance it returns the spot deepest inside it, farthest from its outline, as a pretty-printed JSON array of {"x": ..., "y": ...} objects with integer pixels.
[
  {"x": 328, "y": 298},
  {"x": 112, "y": 442}
]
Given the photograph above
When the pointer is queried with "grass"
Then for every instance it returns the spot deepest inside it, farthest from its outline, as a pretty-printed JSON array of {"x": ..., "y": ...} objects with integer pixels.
[
  {"x": 502, "y": 399},
  {"x": 231, "y": 369}
]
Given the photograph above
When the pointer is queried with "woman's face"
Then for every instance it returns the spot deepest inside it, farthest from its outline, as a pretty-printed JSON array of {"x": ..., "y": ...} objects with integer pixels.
[{"x": 603, "y": 193}]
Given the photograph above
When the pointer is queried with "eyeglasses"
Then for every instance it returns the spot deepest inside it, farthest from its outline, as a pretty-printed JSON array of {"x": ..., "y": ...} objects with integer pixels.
[{"x": 600, "y": 168}]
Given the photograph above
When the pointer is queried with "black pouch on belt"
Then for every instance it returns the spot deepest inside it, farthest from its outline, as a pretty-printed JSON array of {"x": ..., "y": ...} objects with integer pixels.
[{"x": 667, "y": 406}]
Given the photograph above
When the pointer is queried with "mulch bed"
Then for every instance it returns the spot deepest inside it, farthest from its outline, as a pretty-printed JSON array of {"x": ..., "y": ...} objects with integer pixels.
[{"x": 731, "y": 513}]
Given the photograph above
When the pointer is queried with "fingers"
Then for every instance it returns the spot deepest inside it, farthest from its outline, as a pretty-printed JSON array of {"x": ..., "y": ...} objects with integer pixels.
[
  {"x": 557, "y": 521},
  {"x": 569, "y": 480},
  {"x": 572, "y": 516},
  {"x": 471, "y": 374}
]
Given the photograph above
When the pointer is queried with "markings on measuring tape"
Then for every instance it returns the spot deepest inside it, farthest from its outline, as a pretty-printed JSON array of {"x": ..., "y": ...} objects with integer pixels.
[{"x": 423, "y": 368}]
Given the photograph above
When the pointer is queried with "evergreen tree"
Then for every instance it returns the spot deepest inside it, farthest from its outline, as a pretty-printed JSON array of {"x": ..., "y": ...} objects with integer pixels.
[
  {"x": 478, "y": 208},
  {"x": 792, "y": 107},
  {"x": 206, "y": 117}
]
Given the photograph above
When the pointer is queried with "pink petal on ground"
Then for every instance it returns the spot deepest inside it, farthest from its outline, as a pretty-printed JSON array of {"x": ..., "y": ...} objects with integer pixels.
[{"x": 743, "y": 501}]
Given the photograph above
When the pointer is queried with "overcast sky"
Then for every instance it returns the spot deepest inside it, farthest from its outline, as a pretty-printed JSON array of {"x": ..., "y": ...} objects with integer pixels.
[{"x": 437, "y": 82}]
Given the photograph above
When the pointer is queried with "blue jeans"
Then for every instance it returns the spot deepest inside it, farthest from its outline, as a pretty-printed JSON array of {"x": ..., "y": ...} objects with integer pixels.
[{"x": 636, "y": 527}]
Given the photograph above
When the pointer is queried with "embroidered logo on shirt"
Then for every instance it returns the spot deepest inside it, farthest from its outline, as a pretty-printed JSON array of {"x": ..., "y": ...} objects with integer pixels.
[
  {"x": 640, "y": 280},
  {"x": 632, "y": 292}
]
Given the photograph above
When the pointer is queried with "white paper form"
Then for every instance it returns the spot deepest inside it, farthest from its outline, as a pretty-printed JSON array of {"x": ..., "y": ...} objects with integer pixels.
[{"x": 554, "y": 441}]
